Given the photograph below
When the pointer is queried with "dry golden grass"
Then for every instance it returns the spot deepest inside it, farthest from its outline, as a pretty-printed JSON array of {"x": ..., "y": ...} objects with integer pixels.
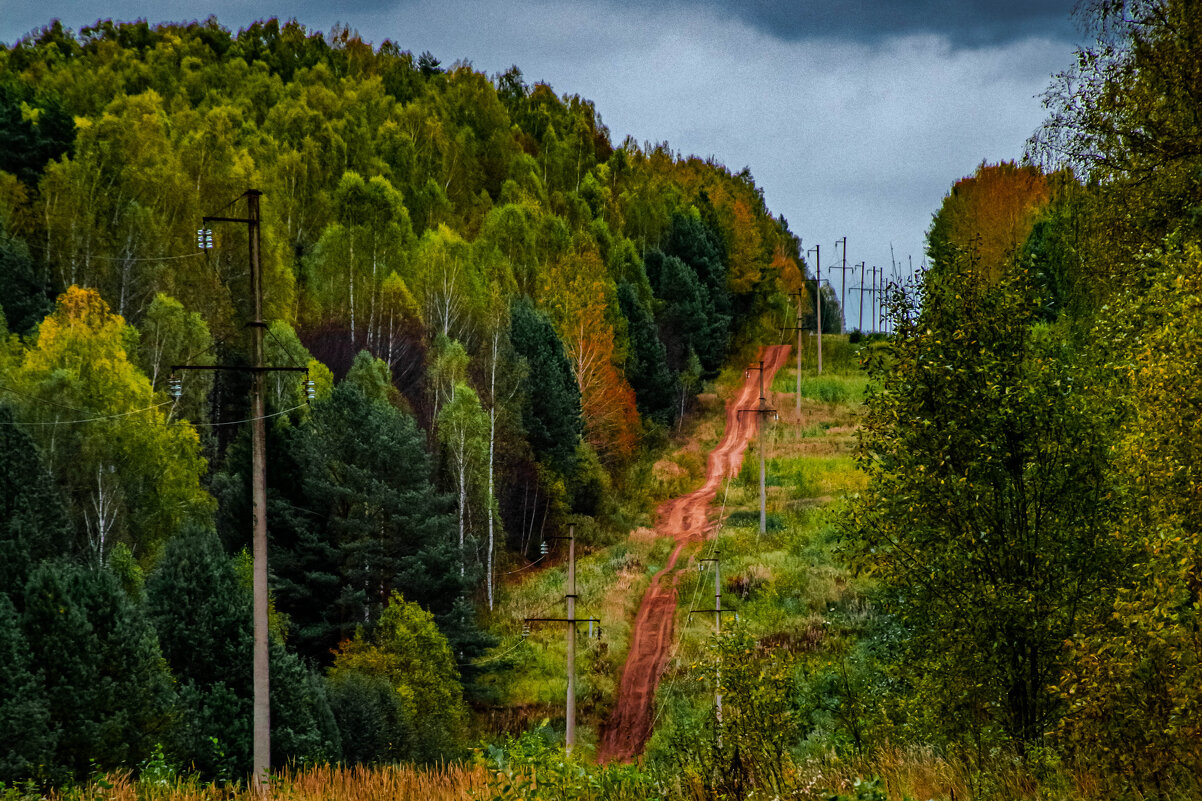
[{"x": 321, "y": 783}]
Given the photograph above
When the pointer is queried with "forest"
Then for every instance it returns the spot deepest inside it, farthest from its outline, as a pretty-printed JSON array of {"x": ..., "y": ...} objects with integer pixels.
[
  {"x": 981, "y": 574},
  {"x": 502, "y": 313}
]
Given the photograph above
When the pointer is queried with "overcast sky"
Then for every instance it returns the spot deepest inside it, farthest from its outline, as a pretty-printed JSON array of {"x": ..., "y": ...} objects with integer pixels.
[{"x": 854, "y": 117}]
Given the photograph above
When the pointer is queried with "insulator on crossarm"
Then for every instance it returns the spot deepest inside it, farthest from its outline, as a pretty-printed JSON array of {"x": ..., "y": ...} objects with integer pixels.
[
  {"x": 310, "y": 390},
  {"x": 544, "y": 548},
  {"x": 525, "y": 630},
  {"x": 176, "y": 387}
]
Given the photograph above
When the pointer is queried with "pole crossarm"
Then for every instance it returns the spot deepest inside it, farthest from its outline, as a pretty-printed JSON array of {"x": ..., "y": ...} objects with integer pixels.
[
  {"x": 245, "y": 368},
  {"x": 561, "y": 620}
]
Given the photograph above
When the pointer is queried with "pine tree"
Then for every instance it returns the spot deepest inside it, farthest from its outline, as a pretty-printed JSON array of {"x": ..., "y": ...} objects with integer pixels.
[{"x": 362, "y": 519}]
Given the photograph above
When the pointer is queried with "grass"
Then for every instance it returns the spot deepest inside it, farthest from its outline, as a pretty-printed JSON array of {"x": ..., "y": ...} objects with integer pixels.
[
  {"x": 609, "y": 584},
  {"x": 454, "y": 782},
  {"x": 789, "y": 585}
]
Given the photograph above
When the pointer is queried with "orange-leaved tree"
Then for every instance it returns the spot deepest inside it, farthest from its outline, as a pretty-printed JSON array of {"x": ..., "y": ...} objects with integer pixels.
[{"x": 581, "y": 302}]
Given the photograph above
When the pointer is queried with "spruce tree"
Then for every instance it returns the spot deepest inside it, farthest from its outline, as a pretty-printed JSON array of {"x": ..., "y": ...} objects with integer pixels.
[
  {"x": 551, "y": 413},
  {"x": 107, "y": 691},
  {"x": 647, "y": 367},
  {"x": 203, "y": 614},
  {"x": 33, "y": 522},
  {"x": 26, "y": 738}
]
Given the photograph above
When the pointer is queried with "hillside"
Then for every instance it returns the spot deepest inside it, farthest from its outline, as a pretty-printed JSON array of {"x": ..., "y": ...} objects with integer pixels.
[
  {"x": 978, "y": 569},
  {"x": 501, "y": 311}
]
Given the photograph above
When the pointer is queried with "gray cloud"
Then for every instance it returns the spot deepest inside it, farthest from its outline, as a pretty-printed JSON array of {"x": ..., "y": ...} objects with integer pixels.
[
  {"x": 856, "y": 131},
  {"x": 966, "y": 23}
]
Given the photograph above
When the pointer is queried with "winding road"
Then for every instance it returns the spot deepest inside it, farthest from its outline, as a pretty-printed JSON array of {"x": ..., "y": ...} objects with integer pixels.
[{"x": 685, "y": 520}]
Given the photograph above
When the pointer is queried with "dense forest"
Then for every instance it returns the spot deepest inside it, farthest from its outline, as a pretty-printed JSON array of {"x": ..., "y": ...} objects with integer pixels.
[
  {"x": 1032, "y": 446},
  {"x": 502, "y": 312},
  {"x": 984, "y": 580}
]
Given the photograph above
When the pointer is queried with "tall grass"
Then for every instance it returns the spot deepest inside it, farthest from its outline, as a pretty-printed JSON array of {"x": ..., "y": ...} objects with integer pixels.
[{"x": 454, "y": 782}]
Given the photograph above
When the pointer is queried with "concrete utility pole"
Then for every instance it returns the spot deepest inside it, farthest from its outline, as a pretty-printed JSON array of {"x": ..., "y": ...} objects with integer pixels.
[
  {"x": 761, "y": 411},
  {"x": 262, "y": 671},
  {"x": 863, "y": 278},
  {"x": 570, "y": 714},
  {"x": 717, "y": 610},
  {"x": 876, "y": 320},
  {"x": 843, "y": 286},
  {"x": 571, "y": 620},
  {"x": 860, "y": 327},
  {"x": 817, "y": 251},
  {"x": 798, "y": 328},
  {"x": 261, "y": 725}
]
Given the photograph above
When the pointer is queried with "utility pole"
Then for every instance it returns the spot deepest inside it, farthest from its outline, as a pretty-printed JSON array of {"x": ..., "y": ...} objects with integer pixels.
[
  {"x": 876, "y": 324},
  {"x": 717, "y": 610},
  {"x": 798, "y": 328},
  {"x": 880, "y": 302},
  {"x": 863, "y": 278},
  {"x": 261, "y": 726},
  {"x": 860, "y": 328},
  {"x": 843, "y": 286},
  {"x": 571, "y": 620},
  {"x": 816, "y": 250},
  {"x": 761, "y": 411}
]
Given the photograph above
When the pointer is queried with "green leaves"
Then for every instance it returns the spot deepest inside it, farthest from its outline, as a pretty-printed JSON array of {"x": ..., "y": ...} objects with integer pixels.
[{"x": 984, "y": 524}]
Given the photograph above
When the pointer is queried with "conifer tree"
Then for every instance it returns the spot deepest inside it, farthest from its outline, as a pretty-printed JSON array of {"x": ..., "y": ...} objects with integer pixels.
[
  {"x": 551, "y": 413},
  {"x": 26, "y": 738},
  {"x": 202, "y": 613},
  {"x": 107, "y": 690},
  {"x": 647, "y": 365},
  {"x": 33, "y": 522}
]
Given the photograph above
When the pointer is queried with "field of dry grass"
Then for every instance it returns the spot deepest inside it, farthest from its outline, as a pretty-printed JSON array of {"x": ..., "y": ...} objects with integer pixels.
[{"x": 320, "y": 783}]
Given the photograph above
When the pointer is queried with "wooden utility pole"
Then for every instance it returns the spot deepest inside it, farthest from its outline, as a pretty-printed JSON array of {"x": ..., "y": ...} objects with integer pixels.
[
  {"x": 261, "y": 719},
  {"x": 571, "y": 620},
  {"x": 761, "y": 411},
  {"x": 817, "y": 251}
]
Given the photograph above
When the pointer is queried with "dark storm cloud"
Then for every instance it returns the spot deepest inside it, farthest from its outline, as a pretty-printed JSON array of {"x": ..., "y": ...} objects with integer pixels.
[
  {"x": 966, "y": 23},
  {"x": 854, "y": 116}
]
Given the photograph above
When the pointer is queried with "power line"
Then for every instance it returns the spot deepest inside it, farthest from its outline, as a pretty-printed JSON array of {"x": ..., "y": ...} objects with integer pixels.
[
  {"x": 249, "y": 419},
  {"x": 42, "y": 400},
  {"x": 125, "y": 258},
  {"x": 91, "y": 419}
]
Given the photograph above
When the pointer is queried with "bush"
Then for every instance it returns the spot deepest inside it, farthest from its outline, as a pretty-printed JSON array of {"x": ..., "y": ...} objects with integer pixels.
[{"x": 375, "y": 726}]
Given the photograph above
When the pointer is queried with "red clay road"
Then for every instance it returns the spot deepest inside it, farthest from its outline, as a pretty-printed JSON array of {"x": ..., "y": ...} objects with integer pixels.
[{"x": 686, "y": 520}]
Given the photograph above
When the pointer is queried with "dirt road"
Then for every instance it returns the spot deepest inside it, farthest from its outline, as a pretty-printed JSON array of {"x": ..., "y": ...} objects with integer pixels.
[{"x": 686, "y": 520}]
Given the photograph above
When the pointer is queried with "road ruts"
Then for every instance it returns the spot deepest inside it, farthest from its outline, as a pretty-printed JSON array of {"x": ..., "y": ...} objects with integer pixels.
[{"x": 685, "y": 520}]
